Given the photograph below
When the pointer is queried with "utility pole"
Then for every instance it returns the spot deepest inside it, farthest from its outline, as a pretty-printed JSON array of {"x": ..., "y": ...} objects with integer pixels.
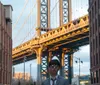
[
  {"x": 13, "y": 71},
  {"x": 79, "y": 67},
  {"x": 30, "y": 70},
  {"x": 30, "y": 74},
  {"x": 24, "y": 69}
]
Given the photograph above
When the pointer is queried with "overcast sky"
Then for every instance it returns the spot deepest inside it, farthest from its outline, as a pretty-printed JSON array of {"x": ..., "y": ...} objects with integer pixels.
[{"x": 21, "y": 30}]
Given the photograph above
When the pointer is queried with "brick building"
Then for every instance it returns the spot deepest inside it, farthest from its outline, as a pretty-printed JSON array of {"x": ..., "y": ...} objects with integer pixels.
[
  {"x": 94, "y": 16},
  {"x": 5, "y": 44}
]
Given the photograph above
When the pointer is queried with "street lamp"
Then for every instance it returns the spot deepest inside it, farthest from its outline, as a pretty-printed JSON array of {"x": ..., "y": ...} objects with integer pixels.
[{"x": 79, "y": 61}]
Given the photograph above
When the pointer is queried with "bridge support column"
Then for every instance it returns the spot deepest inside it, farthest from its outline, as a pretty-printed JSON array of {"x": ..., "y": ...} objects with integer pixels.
[
  {"x": 62, "y": 64},
  {"x": 61, "y": 12},
  {"x": 46, "y": 57},
  {"x": 39, "y": 60},
  {"x": 38, "y": 30},
  {"x": 50, "y": 55},
  {"x": 44, "y": 65},
  {"x": 70, "y": 67},
  {"x": 48, "y": 60}
]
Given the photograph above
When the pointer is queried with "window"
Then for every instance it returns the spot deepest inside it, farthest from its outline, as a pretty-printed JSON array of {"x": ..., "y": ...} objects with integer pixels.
[
  {"x": 96, "y": 43},
  {"x": 95, "y": 8},
  {"x": 98, "y": 4},
  {"x": 94, "y": 61},
  {"x": 97, "y": 58},
  {"x": 99, "y": 20},
  {"x": 91, "y": 78},
  {"x": 99, "y": 55},
  {"x": 91, "y": 47},
  {"x": 91, "y": 61},
  {"x": 99, "y": 39},
  {"x": 96, "y": 24},
  {"x": 90, "y": 17},
  {"x": 97, "y": 76},
  {"x": 93, "y": 28},
  {"x": 92, "y": 12},
  {"x": 0, "y": 57},
  {"x": 90, "y": 1}
]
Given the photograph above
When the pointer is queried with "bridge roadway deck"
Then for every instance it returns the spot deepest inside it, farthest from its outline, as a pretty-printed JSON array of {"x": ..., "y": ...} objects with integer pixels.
[{"x": 70, "y": 35}]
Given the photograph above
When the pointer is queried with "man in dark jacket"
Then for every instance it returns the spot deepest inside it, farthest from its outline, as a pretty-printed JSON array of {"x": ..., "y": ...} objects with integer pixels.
[{"x": 55, "y": 79}]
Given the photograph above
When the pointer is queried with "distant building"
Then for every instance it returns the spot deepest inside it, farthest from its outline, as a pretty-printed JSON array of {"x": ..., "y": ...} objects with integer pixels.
[
  {"x": 82, "y": 80},
  {"x": 5, "y": 44},
  {"x": 21, "y": 76},
  {"x": 94, "y": 23}
]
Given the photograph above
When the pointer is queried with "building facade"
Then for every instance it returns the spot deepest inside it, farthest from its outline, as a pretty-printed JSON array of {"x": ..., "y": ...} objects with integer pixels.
[
  {"x": 21, "y": 76},
  {"x": 5, "y": 44},
  {"x": 94, "y": 21}
]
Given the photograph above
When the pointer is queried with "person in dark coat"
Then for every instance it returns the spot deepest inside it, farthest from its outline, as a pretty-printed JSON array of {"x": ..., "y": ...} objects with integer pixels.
[{"x": 55, "y": 79}]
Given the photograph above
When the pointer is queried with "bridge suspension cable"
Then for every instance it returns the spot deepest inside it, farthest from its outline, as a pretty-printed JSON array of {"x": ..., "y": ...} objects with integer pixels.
[
  {"x": 24, "y": 22},
  {"x": 28, "y": 34},
  {"x": 56, "y": 14},
  {"x": 55, "y": 7},
  {"x": 20, "y": 14}
]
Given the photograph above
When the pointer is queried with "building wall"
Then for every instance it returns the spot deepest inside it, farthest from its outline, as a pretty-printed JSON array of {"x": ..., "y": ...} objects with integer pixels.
[
  {"x": 5, "y": 48},
  {"x": 94, "y": 20}
]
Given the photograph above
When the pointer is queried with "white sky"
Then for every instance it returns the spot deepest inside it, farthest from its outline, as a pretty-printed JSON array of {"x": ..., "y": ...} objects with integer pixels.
[{"x": 79, "y": 8}]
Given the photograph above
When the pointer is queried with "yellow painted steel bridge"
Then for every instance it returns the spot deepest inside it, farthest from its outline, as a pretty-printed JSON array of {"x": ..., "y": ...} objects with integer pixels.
[
  {"x": 69, "y": 33},
  {"x": 60, "y": 41}
]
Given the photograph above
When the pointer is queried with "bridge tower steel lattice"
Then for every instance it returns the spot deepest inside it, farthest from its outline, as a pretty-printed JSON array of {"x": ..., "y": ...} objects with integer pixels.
[
  {"x": 43, "y": 18},
  {"x": 43, "y": 24},
  {"x": 65, "y": 11}
]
